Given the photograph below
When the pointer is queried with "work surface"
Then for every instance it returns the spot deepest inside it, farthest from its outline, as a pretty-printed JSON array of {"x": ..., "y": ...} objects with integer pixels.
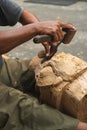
[{"x": 70, "y": 11}]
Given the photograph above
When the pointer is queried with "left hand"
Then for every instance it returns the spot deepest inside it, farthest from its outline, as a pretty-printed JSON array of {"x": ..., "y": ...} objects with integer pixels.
[{"x": 50, "y": 49}]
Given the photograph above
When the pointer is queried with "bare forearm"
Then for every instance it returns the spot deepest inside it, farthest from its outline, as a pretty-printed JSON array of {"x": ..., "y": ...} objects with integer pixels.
[
  {"x": 82, "y": 126},
  {"x": 12, "y": 38},
  {"x": 28, "y": 17}
]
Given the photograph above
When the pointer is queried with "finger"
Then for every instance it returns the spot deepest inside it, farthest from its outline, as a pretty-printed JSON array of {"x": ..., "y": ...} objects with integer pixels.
[
  {"x": 47, "y": 48},
  {"x": 53, "y": 50},
  {"x": 42, "y": 54},
  {"x": 67, "y": 25},
  {"x": 60, "y": 34},
  {"x": 56, "y": 37}
]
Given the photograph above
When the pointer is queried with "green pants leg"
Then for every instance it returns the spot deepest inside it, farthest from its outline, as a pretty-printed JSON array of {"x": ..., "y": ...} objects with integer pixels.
[
  {"x": 17, "y": 74},
  {"x": 25, "y": 113},
  {"x": 19, "y": 111}
]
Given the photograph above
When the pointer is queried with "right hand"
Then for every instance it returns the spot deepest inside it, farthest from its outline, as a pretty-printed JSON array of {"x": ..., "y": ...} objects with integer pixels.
[
  {"x": 55, "y": 30},
  {"x": 51, "y": 28}
]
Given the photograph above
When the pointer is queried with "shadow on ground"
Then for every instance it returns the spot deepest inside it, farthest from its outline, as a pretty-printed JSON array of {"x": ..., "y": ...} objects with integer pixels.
[{"x": 55, "y": 2}]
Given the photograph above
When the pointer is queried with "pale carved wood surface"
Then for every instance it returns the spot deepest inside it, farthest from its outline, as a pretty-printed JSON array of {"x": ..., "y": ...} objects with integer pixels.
[{"x": 62, "y": 82}]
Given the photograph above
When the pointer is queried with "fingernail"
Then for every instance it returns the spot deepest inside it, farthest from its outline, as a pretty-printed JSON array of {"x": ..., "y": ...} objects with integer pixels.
[{"x": 47, "y": 54}]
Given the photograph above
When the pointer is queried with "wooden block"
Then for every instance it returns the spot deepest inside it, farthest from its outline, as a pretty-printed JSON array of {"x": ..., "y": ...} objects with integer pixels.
[
  {"x": 62, "y": 65},
  {"x": 62, "y": 82},
  {"x": 74, "y": 98},
  {"x": 52, "y": 95},
  {"x": 5, "y": 56},
  {"x": 82, "y": 109}
]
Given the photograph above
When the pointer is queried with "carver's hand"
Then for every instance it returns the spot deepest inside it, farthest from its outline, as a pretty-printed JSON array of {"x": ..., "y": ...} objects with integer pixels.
[
  {"x": 50, "y": 49},
  {"x": 57, "y": 31}
]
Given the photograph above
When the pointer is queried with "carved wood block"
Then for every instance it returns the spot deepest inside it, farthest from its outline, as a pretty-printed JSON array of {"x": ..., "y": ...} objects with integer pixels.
[
  {"x": 74, "y": 98},
  {"x": 62, "y": 82}
]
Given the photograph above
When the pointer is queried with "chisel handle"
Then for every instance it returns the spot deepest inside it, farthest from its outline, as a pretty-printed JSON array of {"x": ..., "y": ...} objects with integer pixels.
[{"x": 42, "y": 38}]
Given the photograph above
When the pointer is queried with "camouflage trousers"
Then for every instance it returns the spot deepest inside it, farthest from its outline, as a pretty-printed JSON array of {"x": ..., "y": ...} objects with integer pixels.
[{"x": 18, "y": 110}]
